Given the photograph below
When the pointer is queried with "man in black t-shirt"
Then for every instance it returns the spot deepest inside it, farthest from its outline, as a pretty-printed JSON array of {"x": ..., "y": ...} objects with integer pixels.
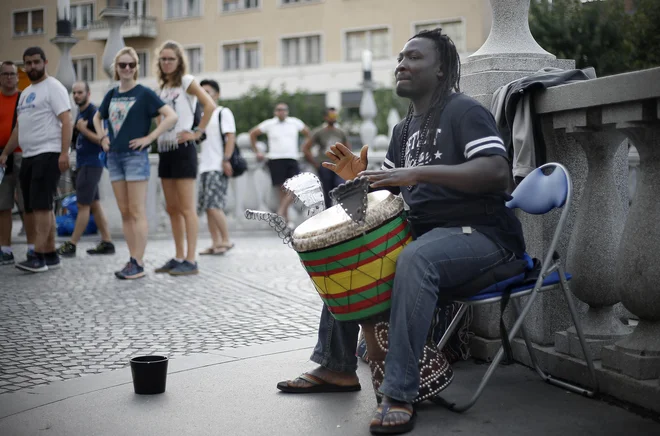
[{"x": 451, "y": 168}]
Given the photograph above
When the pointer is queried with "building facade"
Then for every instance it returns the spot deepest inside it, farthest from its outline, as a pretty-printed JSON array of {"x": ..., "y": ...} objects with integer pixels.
[{"x": 311, "y": 45}]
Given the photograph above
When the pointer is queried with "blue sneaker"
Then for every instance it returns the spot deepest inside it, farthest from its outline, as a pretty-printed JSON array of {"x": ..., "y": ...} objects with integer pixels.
[
  {"x": 185, "y": 268},
  {"x": 6, "y": 258},
  {"x": 34, "y": 264},
  {"x": 52, "y": 260},
  {"x": 131, "y": 271},
  {"x": 169, "y": 266}
]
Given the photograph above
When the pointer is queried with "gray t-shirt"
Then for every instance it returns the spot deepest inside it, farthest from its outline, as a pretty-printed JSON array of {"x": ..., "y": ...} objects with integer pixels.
[{"x": 324, "y": 137}]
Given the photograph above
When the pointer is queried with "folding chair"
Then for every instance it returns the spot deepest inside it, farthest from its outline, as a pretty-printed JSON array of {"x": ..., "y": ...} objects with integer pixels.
[{"x": 537, "y": 194}]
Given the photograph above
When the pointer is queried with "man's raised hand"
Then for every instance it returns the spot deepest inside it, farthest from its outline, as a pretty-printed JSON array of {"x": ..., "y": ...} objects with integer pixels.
[{"x": 346, "y": 164}]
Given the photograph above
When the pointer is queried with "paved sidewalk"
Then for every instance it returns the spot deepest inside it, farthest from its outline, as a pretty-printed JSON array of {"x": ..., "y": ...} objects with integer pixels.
[
  {"x": 233, "y": 393},
  {"x": 81, "y": 320}
]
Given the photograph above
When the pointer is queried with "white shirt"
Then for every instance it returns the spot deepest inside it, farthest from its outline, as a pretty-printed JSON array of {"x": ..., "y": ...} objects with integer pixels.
[
  {"x": 213, "y": 151},
  {"x": 40, "y": 131},
  {"x": 282, "y": 137},
  {"x": 184, "y": 106}
]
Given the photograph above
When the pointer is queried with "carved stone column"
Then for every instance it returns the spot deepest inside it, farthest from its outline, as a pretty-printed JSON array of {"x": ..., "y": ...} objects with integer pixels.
[
  {"x": 595, "y": 241},
  {"x": 638, "y": 261},
  {"x": 115, "y": 14},
  {"x": 64, "y": 40}
]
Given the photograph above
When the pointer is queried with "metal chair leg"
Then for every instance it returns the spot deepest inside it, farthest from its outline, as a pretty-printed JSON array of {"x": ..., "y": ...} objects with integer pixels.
[
  {"x": 528, "y": 344},
  {"x": 580, "y": 334},
  {"x": 452, "y": 326}
]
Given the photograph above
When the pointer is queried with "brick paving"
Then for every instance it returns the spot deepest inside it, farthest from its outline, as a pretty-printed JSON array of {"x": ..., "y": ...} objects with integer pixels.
[{"x": 81, "y": 320}]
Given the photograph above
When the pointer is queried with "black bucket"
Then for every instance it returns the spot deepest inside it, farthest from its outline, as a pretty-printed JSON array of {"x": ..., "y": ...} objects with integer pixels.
[{"x": 149, "y": 374}]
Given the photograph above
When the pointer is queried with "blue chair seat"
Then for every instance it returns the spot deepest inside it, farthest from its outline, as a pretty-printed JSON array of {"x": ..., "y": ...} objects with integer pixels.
[{"x": 494, "y": 292}]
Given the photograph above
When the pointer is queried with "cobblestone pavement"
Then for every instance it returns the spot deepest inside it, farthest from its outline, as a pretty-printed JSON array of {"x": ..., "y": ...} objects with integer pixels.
[{"x": 81, "y": 320}]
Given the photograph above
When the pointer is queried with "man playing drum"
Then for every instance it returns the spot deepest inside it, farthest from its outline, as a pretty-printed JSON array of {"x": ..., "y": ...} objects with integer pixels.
[{"x": 452, "y": 169}]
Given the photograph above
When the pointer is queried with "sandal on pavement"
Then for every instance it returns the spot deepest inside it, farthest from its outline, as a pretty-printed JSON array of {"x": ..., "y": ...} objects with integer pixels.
[
  {"x": 385, "y": 409},
  {"x": 317, "y": 386},
  {"x": 214, "y": 250}
]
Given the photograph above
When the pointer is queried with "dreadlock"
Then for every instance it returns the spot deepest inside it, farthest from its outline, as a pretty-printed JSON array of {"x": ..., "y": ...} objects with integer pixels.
[{"x": 450, "y": 65}]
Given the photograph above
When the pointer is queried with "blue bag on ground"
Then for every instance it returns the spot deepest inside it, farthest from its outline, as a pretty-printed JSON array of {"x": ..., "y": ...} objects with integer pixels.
[{"x": 67, "y": 222}]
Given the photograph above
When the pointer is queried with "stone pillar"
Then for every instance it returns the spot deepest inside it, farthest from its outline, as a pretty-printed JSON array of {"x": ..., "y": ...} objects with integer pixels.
[
  {"x": 368, "y": 110},
  {"x": 115, "y": 14},
  {"x": 64, "y": 40},
  {"x": 510, "y": 53},
  {"x": 595, "y": 240},
  {"x": 637, "y": 272}
]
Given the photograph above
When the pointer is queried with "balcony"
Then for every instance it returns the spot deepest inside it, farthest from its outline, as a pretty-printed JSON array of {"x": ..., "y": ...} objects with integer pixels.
[{"x": 133, "y": 27}]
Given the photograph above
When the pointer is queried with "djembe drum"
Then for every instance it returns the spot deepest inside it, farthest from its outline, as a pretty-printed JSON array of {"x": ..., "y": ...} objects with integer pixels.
[{"x": 352, "y": 265}]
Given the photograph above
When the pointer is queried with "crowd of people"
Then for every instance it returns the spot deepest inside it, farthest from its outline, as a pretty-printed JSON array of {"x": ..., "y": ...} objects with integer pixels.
[
  {"x": 445, "y": 159},
  {"x": 195, "y": 140}
]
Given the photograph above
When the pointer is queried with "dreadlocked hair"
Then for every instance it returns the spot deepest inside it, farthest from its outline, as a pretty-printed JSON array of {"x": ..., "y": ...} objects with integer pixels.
[{"x": 450, "y": 65}]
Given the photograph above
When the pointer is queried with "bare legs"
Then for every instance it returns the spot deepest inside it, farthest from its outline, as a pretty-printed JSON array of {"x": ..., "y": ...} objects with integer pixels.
[
  {"x": 83, "y": 219},
  {"x": 131, "y": 199},
  {"x": 180, "y": 204}
]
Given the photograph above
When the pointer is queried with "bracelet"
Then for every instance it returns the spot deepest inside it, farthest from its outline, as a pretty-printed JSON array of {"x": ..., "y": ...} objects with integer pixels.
[{"x": 226, "y": 159}]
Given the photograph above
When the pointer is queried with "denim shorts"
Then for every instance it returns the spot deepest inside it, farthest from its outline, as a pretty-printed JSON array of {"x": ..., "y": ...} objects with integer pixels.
[{"x": 131, "y": 166}]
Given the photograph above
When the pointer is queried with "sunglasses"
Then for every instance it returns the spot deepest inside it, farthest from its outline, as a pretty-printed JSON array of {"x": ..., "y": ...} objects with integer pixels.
[{"x": 123, "y": 65}]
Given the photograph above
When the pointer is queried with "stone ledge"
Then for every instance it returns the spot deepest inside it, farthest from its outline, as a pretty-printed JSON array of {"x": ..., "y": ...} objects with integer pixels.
[
  {"x": 631, "y": 365},
  {"x": 641, "y": 393}
]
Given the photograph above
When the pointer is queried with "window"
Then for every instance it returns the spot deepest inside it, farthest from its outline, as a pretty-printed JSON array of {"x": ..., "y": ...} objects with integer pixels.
[
  {"x": 84, "y": 68},
  {"x": 241, "y": 56},
  {"x": 239, "y": 5},
  {"x": 143, "y": 58},
  {"x": 29, "y": 22},
  {"x": 82, "y": 15},
  {"x": 376, "y": 40},
  {"x": 454, "y": 29},
  {"x": 136, "y": 8},
  {"x": 182, "y": 8},
  {"x": 194, "y": 56},
  {"x": 301, "y": 51}
]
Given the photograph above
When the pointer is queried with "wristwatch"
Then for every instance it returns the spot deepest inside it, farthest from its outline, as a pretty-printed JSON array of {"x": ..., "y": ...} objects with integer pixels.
[{"x": 225, "y": 159}]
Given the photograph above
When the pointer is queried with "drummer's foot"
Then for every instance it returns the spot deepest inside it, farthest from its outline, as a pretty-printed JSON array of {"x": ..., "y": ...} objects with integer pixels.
[
  {"x": 331, "y": 377},
  {"x": 393, "y": 417}
]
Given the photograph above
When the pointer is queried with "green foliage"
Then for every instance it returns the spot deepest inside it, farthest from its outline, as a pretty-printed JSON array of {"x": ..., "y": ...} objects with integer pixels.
[
  {"x": 599, "y": 33},
  {"x": 257, "y": 105},
  {"x": 385, "y": 99}
]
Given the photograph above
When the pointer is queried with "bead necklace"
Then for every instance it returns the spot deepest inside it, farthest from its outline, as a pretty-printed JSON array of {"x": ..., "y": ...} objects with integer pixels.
[{"x": 414, "y": 159}]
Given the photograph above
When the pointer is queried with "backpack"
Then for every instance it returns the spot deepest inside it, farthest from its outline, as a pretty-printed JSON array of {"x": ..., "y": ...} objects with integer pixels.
[{"x": 237, "y": 162}]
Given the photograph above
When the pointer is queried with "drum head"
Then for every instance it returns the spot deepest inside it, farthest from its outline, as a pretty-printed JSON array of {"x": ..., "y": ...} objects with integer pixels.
[{"x": 333, "y": 226}]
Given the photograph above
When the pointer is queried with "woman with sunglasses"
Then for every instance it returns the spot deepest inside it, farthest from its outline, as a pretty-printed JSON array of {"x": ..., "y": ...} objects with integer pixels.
[
  {"x": 129, "y": 109},
  {"x": 177, "y": 165}
]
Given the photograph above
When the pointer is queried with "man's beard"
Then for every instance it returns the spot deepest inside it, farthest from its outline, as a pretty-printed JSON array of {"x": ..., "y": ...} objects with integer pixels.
[
  {"x": 35, "y": 75},
  {"x": 82, "y": 103}
]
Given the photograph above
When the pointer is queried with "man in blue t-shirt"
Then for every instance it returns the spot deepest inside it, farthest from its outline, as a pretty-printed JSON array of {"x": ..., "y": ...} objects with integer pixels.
[
  {"x": 89, "y": 165},
  {"x": 451, "y": 168}
]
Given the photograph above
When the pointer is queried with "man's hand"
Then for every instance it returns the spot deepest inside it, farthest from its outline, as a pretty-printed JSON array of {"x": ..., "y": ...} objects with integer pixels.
[
  {"x": 81, "y": 124},
  {"x": 140, "y": 143},
  {"x": 3, "y": 160},
  {"x": 346, "y": 164},
  {"x": 260, "y": 156},
  {"x": 227, "y": 169},
  {"x": 63, "y": 162},
  {"x": 391, "y": 177}
]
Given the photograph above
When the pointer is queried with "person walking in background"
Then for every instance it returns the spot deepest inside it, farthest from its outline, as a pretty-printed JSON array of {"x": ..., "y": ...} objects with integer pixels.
[
  {"x": 215, "y": 170},
  {"x": 90, "y": 170},
  {"x": 177, "y": 165},
  {"x": 282, "y": 131},
  {"x": 10, "y": 192},
  {"x": 43, "y": 128},
  {"x": 129, "y": 109},
  {"x": 324, "y": 137}
]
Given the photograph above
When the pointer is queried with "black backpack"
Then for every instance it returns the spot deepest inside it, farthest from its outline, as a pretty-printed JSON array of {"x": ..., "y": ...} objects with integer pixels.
[{"x": 237, "y": 162}]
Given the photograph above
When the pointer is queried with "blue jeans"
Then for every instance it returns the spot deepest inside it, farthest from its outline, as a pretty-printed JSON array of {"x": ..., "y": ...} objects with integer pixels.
[
  {"x": 131, "y": 166},
  {"x": 426, "y": 270}
]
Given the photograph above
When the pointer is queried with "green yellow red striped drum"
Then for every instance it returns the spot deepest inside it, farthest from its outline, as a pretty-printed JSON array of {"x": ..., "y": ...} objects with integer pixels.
[{"x": 351, "y": 265}]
